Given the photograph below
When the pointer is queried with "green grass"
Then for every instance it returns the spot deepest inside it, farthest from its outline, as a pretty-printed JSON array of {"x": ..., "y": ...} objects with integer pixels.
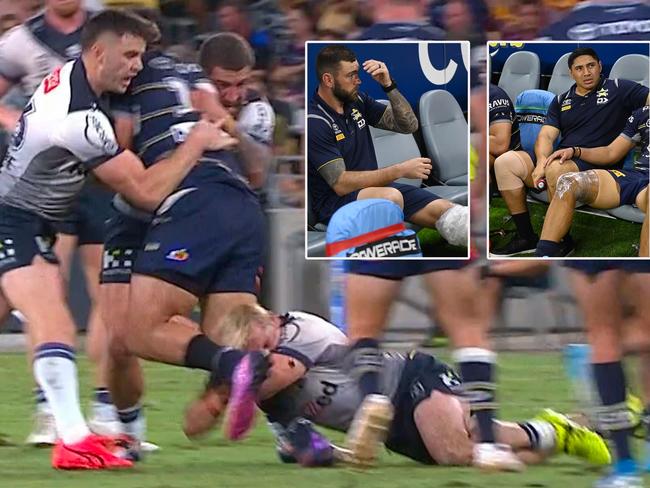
[
  {"x": 528, "y": 382},
  {"x": 594, "y": 236},
  {"x": 433, "y": 245}
]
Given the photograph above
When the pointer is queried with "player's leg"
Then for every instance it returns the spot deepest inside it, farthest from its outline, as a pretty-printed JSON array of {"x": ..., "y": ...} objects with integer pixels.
[
  {"x": 513, "y": 171},
  {"x": 384, "y": 192},
  {"x": 597, "y": 298},
  {"x": 594, "y": 187},
  {"x": 553, "y": 173},
  {"x": 643, "y": 202},
  {"x": 52, "y": 331}
]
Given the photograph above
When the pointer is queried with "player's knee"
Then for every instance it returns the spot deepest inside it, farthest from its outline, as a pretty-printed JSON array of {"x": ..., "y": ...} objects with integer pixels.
[
  {"x": 453, "y": 222},
  {"x": 578, "y": 185},
  {"x": 393, "y": 195},
  {"x": 509, "y": 171},
  {"x": 567, "y": 185}
]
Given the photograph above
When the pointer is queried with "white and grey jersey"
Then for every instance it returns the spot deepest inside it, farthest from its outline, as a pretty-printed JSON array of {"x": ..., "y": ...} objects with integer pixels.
[
  {"x": 31, "y": 51},
  {"x": 257, "y": 119},
  {"x": 327, "y": 394},
  {"x": 64, "y": 132}
]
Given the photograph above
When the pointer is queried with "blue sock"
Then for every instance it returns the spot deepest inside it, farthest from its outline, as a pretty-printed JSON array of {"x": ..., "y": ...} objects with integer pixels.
[
  {"x": 102, "y": 395},
  {"x": 547, "y": 248},
  {"x": 614, "y": 416}
]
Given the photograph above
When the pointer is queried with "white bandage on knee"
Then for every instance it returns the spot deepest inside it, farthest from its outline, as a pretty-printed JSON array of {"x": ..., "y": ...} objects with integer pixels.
[
  {"x": 452, "y": 225},
  {"x": 511, "y": 170},
  {"x": 580, "y": 183}
]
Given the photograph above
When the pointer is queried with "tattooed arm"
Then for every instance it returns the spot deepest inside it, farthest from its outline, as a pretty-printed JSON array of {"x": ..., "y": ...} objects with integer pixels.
[{"x": 399, "y": 116}]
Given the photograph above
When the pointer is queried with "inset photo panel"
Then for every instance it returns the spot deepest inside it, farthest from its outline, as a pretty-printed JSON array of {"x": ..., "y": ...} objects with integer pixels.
[
  {"x": 568, "y": 149},
  {"x": 387, "y": 150}
]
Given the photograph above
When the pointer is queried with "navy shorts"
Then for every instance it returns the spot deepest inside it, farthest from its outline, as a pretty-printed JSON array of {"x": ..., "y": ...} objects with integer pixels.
[
  {"x": 123, "y": 240},
  {"x": 422, "y": 375},
  {"x": 397, "y": 269},
  {"x": 87, "y": 219},
  {"x": 415, "y": 199},
  {"x": 631, "y": 183},
  {"x": 593, "y": 267},
  {"x": 210, "y": 240},
  {"x": 24, "y": 235},
  {"x": 584, "y": 165}
]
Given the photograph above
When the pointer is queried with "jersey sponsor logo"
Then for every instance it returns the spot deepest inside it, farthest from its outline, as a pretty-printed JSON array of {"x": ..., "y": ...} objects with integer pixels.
[
  {"x": 566, "y": 104},
  {"x": 390, "y": 247},
  {"x": 7, "y": 251},
  {"x": 602, "y": 95},
  {"x": 114, "y": 259},
  {"x": 52, "y": 81},
  {"x": 499, "y": 103},
  {"x": 358, "y": 118},
  {"x": 340, "y": 137},
  {"x": 588, "y": 31},
  {"x": 532, "y": 118},
  {"x": 97, "y": 135},
  {"x": 180, "y": 255},
  {"x": 617, "y": 173}
]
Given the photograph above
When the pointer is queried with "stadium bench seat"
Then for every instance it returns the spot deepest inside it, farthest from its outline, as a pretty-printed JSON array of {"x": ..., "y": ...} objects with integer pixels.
[
  {"x": 520, "y": 72},
  {"x": 561, "y": 80},
  {"x": 635, "y": 67}
]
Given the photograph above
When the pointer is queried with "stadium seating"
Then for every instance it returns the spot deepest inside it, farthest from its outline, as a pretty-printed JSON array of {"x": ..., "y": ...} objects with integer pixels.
[
  {"x": 635, "y": 67},
  {"x": 520, "y": 72},
  {"x": 444, "y": 129},
  {"x": 561, "y": 80}
]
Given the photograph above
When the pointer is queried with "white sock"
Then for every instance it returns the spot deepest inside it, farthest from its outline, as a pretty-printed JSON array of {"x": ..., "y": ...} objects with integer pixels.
[
  {"x": 56, "y": 373},
  {"x": 133, "y": 422}
]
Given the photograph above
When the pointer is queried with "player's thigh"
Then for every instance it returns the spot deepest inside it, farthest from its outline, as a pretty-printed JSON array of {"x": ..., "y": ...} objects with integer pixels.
[
  {"x": 554, "y": 170},
  {"x": 643, "y": 201},
  {"x": 64, "y": 248},
  {"x": 216, "y": 305},
  {"x": 368, "y": 302},
  {"x": 514, "y": 166},
  {"x": 442, "y": 423},
  {"x": 608, "y": 193},
  {"x": 38, "y": 292},
  {"x": 383, "y": 192}
]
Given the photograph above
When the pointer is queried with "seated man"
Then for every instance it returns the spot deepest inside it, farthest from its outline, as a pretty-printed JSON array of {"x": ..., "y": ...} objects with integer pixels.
[
  {"x": 431, "y": 424},
  {"x": 599, "y": 188},
  {"x": 342, "y": 161},
  {"x": 590, "y": 114}
]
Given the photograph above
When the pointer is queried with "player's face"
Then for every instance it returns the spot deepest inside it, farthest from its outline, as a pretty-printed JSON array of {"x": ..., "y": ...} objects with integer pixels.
[
  {"x": 232, "y": 87},
  {"x": 347, "y": 81},
  {"x": 64, "y": 8},
  {"x": 586, "y": 72},
  {"x": 120, "y": 61}
]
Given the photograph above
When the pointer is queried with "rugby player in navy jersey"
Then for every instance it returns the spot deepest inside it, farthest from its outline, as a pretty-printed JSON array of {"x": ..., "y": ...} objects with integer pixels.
[
  {"x": 599, "y": 188},
  {"x": 28, "y": 54},
  {"x": 158, "y": 266},
  {"x": 616, "y": 20},
  {"x": 592, "y": 113},
  {"x": 341, "y": 156}
]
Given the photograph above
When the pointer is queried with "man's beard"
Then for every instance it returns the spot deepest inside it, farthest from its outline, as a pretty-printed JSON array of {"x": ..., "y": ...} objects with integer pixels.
[{"x": 343, "y": 96}]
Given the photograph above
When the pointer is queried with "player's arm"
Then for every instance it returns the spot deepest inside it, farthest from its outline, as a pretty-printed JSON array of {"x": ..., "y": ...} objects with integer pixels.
[
  {"x": 12, "y": 71},
  {"x": 500, "y": 134},
  {"x": 146, "y": 188},
  {"x": 8, "y": 115},
  {"x": 285, "y": 370},
  {"x": 598, "y": 156}
]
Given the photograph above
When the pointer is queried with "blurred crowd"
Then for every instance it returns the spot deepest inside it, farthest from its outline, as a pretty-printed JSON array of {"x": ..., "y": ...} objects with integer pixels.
[{"x": 277, "y": 30}]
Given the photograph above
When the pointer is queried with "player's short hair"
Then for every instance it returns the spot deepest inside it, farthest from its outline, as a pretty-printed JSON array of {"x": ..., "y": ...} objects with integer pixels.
[
  {"x": 118, "y": 22},
  {"x": 582, "y": 51},
  {"x": 226, "y": 50},
  {"x": 236, "y": 327},
  {"x": 329, "y": 57}
]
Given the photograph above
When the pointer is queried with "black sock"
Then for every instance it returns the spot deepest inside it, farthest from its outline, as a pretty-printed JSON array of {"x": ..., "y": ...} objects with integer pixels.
[
  {"x": 204, "y": 354},
  {"x": 548, "y": 248},
  {"x": 614, "y": 416},
  {"x": 524, "y": 226},
  {"x": 476, "y": 367},
  {"x": 280, "y": 408},
  {"x": 367, "y": 363}
]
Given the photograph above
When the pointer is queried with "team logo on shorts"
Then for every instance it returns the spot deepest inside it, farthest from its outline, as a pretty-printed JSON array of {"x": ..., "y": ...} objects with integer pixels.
[{"x": 178, "y": 255}]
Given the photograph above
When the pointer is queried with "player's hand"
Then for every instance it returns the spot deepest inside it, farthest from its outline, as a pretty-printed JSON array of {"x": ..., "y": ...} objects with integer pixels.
[
  {"x": 378, "y": 71},
  {"x": 561, "y": 154},
  {"x": 211, "y": 135},
  {"x": 419, "y": 168},
  {"x": 538, "y": 173}
]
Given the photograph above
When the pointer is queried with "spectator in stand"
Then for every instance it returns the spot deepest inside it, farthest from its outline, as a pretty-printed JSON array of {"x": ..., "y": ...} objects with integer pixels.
[
  {"x": 400, "y": 19},
  {"x": 528, "y": 19},
  {"x": 336, "y": 22}
]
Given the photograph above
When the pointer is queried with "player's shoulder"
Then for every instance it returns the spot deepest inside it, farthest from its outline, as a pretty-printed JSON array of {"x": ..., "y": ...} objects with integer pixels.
[
  {"x": 317, "y": 116},
  {"x": 497, "y": 93},
  {"x": 16, "y": 37}
]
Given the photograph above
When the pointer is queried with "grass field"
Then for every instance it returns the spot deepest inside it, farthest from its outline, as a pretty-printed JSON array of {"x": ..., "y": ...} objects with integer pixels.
[
  {"x": 594, "y": 236},
  {"x": 528, "y": 382}
]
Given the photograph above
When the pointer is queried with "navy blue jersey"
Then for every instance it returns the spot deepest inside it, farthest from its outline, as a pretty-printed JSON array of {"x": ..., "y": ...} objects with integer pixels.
[
  {"x": 333, "y": 136},
  {"x": 502, "y": 111},
  {"x": 159, "y": 99},
  {"x": 402, "y": 30},
  {"x": 616, "y": 21},
  {"x": 636, "y": 130},
  {"x": 597, "y": 118}
]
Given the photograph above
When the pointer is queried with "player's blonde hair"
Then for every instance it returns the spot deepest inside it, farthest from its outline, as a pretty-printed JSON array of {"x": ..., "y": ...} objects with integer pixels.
[{"x": 236, "y": 327}]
